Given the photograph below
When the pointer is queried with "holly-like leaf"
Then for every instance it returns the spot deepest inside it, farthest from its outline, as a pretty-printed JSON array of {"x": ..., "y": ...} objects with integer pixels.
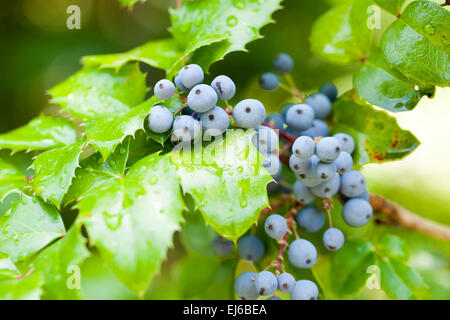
[
  {"x": 60, "y": 266},
  {"x": 418, "y": 43},
  {"x": 377, "y": 135},
  {"x": 54, "y": 170},
  {"x": 28, "y": 226},
  {"x": 227, "y": 181},
  {"x": 394, "y": 247},
  {"x": 383, "y": 85},
  {"x": 129, "y": 223},
  {"x": 392, "y": 6},
  {"x": 92, "y": 93},
  {"x": 28, "y": 288},
  {"x": 11, "y": 179},
  {"x": 341, "y": 35},
  {"x": 41, "y": 133},
  {"x": 8, "y": 270}
]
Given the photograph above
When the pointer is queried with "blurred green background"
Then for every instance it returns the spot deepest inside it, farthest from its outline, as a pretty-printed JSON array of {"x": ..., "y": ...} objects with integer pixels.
[{"x": 38, "y": 51}]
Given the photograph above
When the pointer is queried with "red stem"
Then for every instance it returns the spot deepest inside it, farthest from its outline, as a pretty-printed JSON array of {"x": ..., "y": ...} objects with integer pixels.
[
  {"x": 290, "y": 139},
  {"x": 182, "y": 98}
]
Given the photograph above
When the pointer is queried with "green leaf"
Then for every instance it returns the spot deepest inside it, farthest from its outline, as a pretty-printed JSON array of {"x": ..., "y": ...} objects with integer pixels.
[
  {"x": 28, "y": 288},
  {"x": 383, "y": 85},
  {"x": 129, "y": 224},
  {"x": 54, "y": 170},
  {"x": 349, "y": 265},
  {"x": 418, "y": 43},
  {"x": 11, "y": 179},
  {"x": 377, "y": 135},
  {"x": 394, "y": 247},
  {"x": 8, "y": 270},
  {"x": 341, "y": 35},
  {"x": 41, "y": 133},
  {"x": 400, "y": 281},
  {"x": 60, "y": 266},
  {"x": 238, "y": 21},
  {"x": 28, "y": 226},
  {"x": 392, "y": 6},
  {"x": 92, "y": 93},
  {"x": 129, "y": 3},
  {"x": 227, "y": 182}
]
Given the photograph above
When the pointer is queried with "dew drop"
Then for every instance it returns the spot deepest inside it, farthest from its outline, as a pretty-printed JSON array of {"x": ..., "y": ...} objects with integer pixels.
[
  {"x": 232, "y": 21},
  {"x": 429, "y": 29},
  {"x": 239, "y": 4},
  {"x": 153, "y": 180}
]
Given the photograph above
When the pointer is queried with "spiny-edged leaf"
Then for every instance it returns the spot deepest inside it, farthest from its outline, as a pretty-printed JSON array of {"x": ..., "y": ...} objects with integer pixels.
[
  {"x": 348, "y": 273},
  {"x": 98, "y": 93},
  {"x": 227, "y": 181},
  {"x": 238, "y": 21},
  {"x": 60, "y": 266},
  {"x": 28, "y": 288},
  {"x": 131, "y": 219},
  {"x": 383, "y": 85},
  {"x": 160, "y": 54},
  {"x": 392, "y": 6},
  {"x": 196, "y": 235},
  {"x": 393, "y": 246},
  {"x": 106, "y": 133},
  {"x": 341, "y": 35},
  {"x": 377, "y": 135},
  {"x": 400, "y": 281},
  {"x": 41, "y": 133},
  {"x": 8, "y": 270},
  {"x": 54, "y": 171},
  {"x": 418, "y": 43},
  {"x": 11, "y": 179},
  {"x": 28, "y": 226}
]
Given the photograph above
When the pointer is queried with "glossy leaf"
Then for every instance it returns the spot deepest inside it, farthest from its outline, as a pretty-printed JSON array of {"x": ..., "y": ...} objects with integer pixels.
[
  {"x": 129, "y": 224},
  {"x": 8, "y": 270},
  {"x": 54, "y": 170},
  {"x": 341, "y": 35},
  {"x": 92, "y": 93},
  {"x": 392, "y": 6},
  {"x": 60, "y": 266},
  {"x": 11, "y": 179},
  {"x": 393, "y": 247},
  {"x": 28, "y": 226},
  {"x": 377, "y": 135},
  {"x": 28, "y": 288},
  {"x": 41, "y": 133},
  {"x": 418, "y": 43},
  {"x": 228, "y": 183},
  {"x": 383, "y": 85}
]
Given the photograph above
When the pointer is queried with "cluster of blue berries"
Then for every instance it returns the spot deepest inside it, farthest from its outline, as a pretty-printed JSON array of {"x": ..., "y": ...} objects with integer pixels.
[{"x": 200, "y": 111}]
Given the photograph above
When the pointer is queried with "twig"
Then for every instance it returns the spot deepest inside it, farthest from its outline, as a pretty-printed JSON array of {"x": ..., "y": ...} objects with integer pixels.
[
  {"x": 286, "y": 198},
  {"x": 179, "y": 3},
  {"x": 399, "y": 216},
  {"x": 327, "y": 205},
  {"x": 283, "y": 243}
]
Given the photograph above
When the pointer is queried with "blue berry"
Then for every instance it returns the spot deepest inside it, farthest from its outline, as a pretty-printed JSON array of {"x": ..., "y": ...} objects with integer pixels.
[
  {"x": 191, "y": 75},
  {"x": 346, "y": 141},
  {"x": 304, "y": 147},
  {"x": 328, "y": 149},
  {"x": 327, "y": 189},
  {"x": 269, "y": 81},
  {"x": 305, "y": 290},
  {"x": 179, "y": 84},
  {"x": 273, "y": 166},
  {"x": 276, "y": 120},
  {"x": 325, "y": 171},
  {"x": 333, "y": 239},
  {"x": 160, "y": 119},
  {"x": 273, "y": 298},
  {"x": 164, "y": 89},
  {"x": 222, "y": 246},
  {"x": 275, "y": 226},
  {"x": 202, "y": 98},
  {"x": 185, "y": 128},
  {"x": 286, "y": 282},
  {"x": 224, "y": 87},
  {"x": 266, "y": 283},
  {"x": 318, "y": 129},
  {"x": 330, "y": 90},
  {"x": 249, "y": 113},
  {"x": 310, "y": 218},
  {"x": 250, "y": 248},
  {"x": 302, "y": 254},
  {"x": 357, "y": 212},
  {"x": 353, "y": 184},
  {"x": 302, "y": 193},
  {"x": 283, "y": 63},
  {"x": 300, "y": 166},
  {"x": 245, "y": 286},
  {"x": 215, "y": 121},
  {"x": 320, "y": 104},
  {"x": 300, "y": 117},
  {"x": 344, "y": 163},
  {"x": 285, "y": 110},
  {"x": 265, "y": 140}
]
